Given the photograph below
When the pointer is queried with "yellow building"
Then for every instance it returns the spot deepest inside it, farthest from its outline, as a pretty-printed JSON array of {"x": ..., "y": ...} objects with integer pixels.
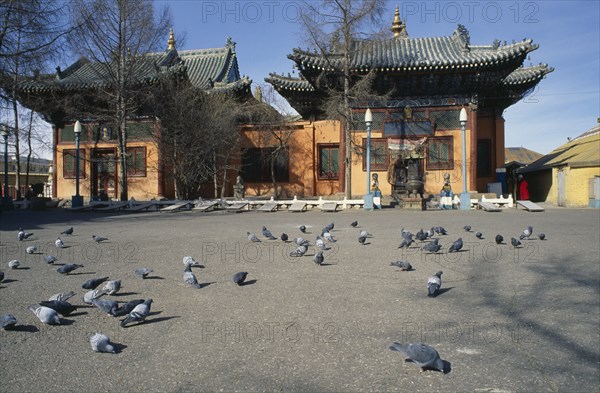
[{"x": 568, "y": 176}]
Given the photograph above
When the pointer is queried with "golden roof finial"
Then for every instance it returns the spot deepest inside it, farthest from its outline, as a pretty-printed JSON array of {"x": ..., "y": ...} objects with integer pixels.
[
  {"x": 397, "y": 27},
  {"x": 171, "y": 43}
]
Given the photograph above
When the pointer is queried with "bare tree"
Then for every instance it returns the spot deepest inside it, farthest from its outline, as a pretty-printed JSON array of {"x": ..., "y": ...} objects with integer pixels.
[
  {"x": 31, "y": 33},
  {"x": 333, "y": 27},
  {"x": 117, "y": 36}
]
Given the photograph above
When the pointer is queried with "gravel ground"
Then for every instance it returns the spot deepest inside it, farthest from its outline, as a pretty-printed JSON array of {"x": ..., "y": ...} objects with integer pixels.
[{"x": 506, "y": 321}]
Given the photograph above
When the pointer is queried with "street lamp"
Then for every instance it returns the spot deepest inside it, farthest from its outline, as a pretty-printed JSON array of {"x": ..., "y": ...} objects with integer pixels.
[
  {"x": 368, "y": 199},
  {"x": 77, "y": 200},
  {"x": 7, "y": 202},
  {"x": 465, "y": 197}
]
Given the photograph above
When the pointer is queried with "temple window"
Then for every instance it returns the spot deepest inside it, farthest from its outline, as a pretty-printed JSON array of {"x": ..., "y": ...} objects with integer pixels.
[
  {"x": 69, "y": 163},
  {"x": 379, "y": 154},
  {"x": 329, "y": 161},
  {"x": 256, "y": 165},
  {"x": 136, "y": 161},
  {"x": 439, "y": 153}
]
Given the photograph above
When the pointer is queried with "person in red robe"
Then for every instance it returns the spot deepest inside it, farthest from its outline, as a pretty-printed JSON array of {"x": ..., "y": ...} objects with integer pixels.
[{"x": 523, "y": 189}]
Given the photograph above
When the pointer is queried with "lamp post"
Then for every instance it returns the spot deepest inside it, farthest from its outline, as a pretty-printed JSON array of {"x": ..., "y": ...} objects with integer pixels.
[
  {"x": 77, "y": 200},
  {"x": 368, "y": 199},
  {"x": 7, "y": 202},
  {"x": 465, "y": 197}
]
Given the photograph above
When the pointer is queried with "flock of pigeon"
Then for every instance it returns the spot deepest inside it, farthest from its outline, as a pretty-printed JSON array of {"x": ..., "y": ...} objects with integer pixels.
[
  {"x": 424, "y": 356},
  {"x": 136, "y": 311}
]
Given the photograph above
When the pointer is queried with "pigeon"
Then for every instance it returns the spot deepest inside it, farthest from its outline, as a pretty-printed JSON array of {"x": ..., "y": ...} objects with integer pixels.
[
  {"x": 440, "y": 231},
  {"x": 22, "y": 235},
  {"x": 93, "y": 283},
  {"x": 406, "y": 243},
  {"x": 266, "y": 233},
  {"x": 14, "y": 264},
  {"x": 301, "y": 241},
  {"x": 542, "y": 236},
  {"x": 7, "y": 321},
  {"x": 364, "y": 233},
  {"x": 430, "y": 233},
  {"x": 515, "y": 243},
  {"x": 479, "y": 235},
  {"x": 467, "y": 228},
  {"x": 499, "y": 239},
  {"x": 190, "y": 278},
  {"x": 68, "y": 268},
  {"x": 60, "y": 306},
  {"x": 239, "y": 278},
  {"x": 59, "y": 243},
  {"x": 421, "y": 236},
  {"x": 99, "y": 239},
  {"x": 45, "y": 314},
  {"x": 300, "y": 251},
  {"x": 112, "y": 287},
  {"x": 143, "y": 272},
  {"x": 138, "y": 314},
  {"x": 432, "y": 247},
  {"x": 106, "y": 305},
  {"x": 422, "y": 355},
  {"x": 457, "y": 245},
  {"x": 64, "y": 296},
  {"x": 50, "y": 259},
  {"x": 403, "y": 265},
  {"x": 433, "y": 284},
  {"x": 127, "y": 307},
  {"x": 101, "y": 343},
  {"x": 302, "y": 228},
  {"x": 67, "y": 231},
  {"x": 1, "y": 276},
  {"x": 191, "y": 262},
  {"x": 89, "y": 296},
  {"x": 319, "y": 258},
  {"x": 362, "y": 240},
  {"x": 284, "y": 237},
  {"x": 252, "y": 237},
  {"x": 329, "y": 227},
  {"x": 31, "y": 250},
  {"x": 353, "y": 224},
  {"x": 526, "y": 233},
  {"x": 329, "y": 237},
  {"x": 319, "y": 243}
]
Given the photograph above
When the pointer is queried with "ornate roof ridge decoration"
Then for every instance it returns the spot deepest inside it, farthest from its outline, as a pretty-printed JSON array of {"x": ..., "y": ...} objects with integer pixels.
[
  {"x": 523, "y": 75},
  {"x": 171, "y": 42}
]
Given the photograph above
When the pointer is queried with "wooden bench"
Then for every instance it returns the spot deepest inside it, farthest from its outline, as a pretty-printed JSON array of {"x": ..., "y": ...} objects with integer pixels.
[
  {"x": 298, "y": 206},
  {"x": 237, "y": 207},
  {"x": 268, "y": 207},
  {"x": 530, "y": 206},
  {"x": 329, "y": 206}
]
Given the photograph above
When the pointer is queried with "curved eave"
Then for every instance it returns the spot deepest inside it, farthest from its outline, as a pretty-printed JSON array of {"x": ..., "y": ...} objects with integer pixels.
[
  {"x": 291, "y": 84},
  {"x": 527, "y": 75}
]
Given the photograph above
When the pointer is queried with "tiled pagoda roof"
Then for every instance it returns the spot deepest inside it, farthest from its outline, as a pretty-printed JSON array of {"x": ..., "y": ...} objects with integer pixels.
[
  {"x": 205, "y": 68},
  {"x": 419, "y": 67}
]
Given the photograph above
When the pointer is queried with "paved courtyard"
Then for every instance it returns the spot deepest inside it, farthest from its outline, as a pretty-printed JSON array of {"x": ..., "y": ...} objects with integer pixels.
[{"x": 507, "y": 320}]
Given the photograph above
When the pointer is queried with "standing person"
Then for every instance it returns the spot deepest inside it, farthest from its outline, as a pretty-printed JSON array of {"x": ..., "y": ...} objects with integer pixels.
[{"x": 523, "y": 189}]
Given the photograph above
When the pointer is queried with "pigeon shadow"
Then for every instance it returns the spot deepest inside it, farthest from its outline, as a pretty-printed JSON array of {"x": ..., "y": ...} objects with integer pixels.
[
  {"x": 22, "y": 268},
  {"x": 80, "y": 273},
  {"x": 249, "y": 282},
  {"x": 161, "y": 319},
  {"x": 77, "y": 314},
  {"x": 66, "y": 322},
  {"x": 125, "y": 294},
  {"x": 327, "y": 264},
  {"x": 441, "y": 291},
  {"x": 205, "y": 284},
  {"x": 9, "y": 280},
  {"x": 154, "y": 278},
  {"x": 24, "y": 328},
  {"x": 118, "y": 347}
]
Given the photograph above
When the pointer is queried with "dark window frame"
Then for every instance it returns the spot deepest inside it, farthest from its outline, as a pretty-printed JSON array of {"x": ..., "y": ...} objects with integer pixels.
[
  {"x": 261, "y": 156},
  {"x": 68, "y": 156},
  {"x": 132, "y": 168},
  {"x": 320, "y": 173},
  {"x": 435, "y": 142},
  {"x": 374, "y": 165}
]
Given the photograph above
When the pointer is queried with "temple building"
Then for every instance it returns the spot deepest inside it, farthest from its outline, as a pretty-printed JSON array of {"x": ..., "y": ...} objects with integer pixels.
[
  {"x": 419, "y": 86},
  {"x": 147, "y": 177}
]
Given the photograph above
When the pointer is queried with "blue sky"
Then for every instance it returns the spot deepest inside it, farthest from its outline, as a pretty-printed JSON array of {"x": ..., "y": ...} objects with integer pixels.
[{"x": 565, "y": 104}]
